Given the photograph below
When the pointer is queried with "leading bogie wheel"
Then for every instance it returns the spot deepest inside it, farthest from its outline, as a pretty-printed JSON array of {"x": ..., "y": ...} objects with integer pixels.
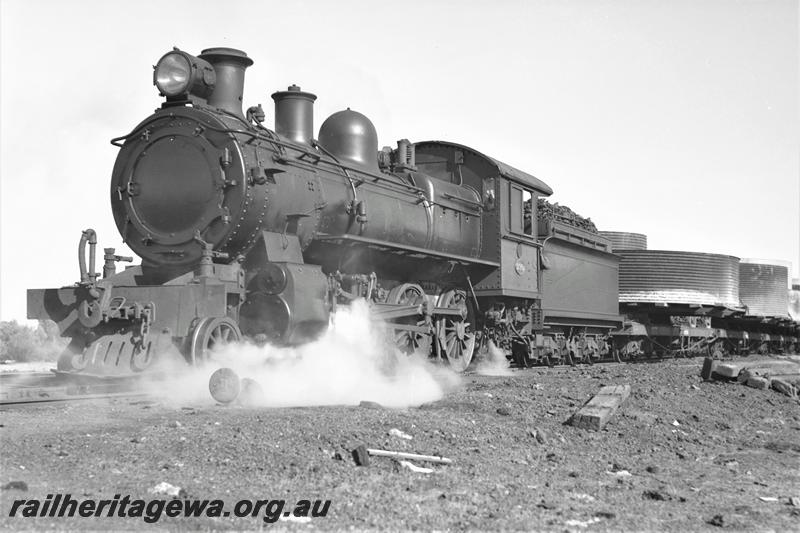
[{"x": 212, "y": 334}]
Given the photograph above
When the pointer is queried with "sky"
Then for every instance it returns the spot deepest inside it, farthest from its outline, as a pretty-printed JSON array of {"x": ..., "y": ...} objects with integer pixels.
[{"x": 674, "y": 119}]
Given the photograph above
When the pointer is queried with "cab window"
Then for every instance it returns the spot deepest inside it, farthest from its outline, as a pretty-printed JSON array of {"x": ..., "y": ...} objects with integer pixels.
[
  {"x": 522, "y": 210},
  {"x": 528, "y": 214},
  {"x": 489, "y": 200}
]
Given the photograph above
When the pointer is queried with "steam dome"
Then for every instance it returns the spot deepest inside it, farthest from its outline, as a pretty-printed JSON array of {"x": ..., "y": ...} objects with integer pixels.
[{"x": 351, "y": 138}]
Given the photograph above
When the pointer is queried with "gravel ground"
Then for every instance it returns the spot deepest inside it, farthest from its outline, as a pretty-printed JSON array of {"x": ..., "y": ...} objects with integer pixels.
[{"x": 682, "y": 454}]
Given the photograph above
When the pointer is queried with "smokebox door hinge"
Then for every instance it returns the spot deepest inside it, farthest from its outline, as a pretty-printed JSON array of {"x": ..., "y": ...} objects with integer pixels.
[{"x": 131, "y": 189}]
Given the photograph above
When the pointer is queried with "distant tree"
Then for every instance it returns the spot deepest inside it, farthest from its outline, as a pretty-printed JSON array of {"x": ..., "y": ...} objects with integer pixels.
[
  {"x": 19, "y": 342},
  {"x": 49, "y": 331}
]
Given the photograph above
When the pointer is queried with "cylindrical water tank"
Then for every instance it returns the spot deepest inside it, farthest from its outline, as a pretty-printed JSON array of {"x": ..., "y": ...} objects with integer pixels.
[
  {"x": 623, "y": 240},
  {"x": 763, "y": 287},
  {"x": 794, "y": 300},
  {"x": 673, "y": 277}
]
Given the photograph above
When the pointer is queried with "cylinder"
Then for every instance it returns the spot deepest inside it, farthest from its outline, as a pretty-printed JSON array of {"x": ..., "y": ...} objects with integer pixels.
[
  {"x": 229, "y": 65},
  {"x": 294, "y": 114}
]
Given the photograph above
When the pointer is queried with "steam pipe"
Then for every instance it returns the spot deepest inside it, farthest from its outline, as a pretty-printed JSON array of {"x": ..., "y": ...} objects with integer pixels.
[{"x": 89, "y": 236}]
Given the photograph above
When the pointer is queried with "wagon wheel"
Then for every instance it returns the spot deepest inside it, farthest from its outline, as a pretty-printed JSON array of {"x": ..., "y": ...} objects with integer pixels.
[
  {"x": 410, "y": 341},
  {"x": 717, "y": 350},
  {"x": 453, "y": 333},
  {"x": 212, "y": 334},
  {"x": 521, "y": 354}
]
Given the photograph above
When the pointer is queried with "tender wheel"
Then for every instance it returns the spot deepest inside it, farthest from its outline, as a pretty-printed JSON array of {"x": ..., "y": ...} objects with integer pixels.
[
  {"x": 212, "y": 334},
  {"x": 454, "y": 334},
  {"x": 410, "y": 341}
]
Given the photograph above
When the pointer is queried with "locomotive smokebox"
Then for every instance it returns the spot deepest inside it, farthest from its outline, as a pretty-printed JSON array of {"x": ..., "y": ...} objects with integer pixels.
[
  {"x": 351, "y": 138},
  {"x": 229, "y": 65},
  {"x": 294, "y": 114}
]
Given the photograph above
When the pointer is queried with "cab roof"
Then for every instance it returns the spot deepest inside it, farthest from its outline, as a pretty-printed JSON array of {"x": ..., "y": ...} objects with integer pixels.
[{"x": 507, "y": 171}]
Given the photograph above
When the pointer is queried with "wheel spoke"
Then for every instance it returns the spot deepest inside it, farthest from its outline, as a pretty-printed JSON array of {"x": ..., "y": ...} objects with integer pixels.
[
  {"x": 407, "y": 341},
  {"x": 211, "y": 334},
  {"x": 450, "y": 345}
]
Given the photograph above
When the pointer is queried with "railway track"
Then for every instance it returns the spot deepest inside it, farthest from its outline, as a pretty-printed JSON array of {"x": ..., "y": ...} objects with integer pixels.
[
  {"x": 20, "y": 388},
  {"x": 38, "y": 387}
]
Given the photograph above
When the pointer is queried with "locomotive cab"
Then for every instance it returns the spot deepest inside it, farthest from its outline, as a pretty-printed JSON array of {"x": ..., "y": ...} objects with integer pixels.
[
  {"x": 509, "y": 295},
  {"x": 508, "y": 215}
]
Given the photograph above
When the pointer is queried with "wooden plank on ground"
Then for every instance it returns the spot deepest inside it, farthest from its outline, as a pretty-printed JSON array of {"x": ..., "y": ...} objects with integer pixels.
[
  {"x": 785, "y": 387},
  {"x": 728, "y": 370},
  {"x": 758, "y": 382},
  {"x": 772, "y": 367},
  {"x": 596, "y": 413},
  {"x": 709, "y": 366},
  {"x": 777, "y": 368},
  {"x": 786, "y": 377}
]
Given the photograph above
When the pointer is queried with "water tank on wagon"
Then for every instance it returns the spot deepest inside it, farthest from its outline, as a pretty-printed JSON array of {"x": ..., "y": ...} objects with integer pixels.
[
  {"x": 622, "y": 240},
  {"x": 763, "y": 287},
  {"x": 794, "y": 301}
]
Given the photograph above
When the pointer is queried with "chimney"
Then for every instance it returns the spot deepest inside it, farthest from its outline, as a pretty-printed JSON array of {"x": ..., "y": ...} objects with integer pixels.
[
  {"x": 294, "y": 114},
  {"x": 229, "y": 65}
]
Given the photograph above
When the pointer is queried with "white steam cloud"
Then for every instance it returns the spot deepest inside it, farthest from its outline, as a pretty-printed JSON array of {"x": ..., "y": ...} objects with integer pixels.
[
  {"x": 352, "y": 362},
  {"x": 493, "y": 363}
]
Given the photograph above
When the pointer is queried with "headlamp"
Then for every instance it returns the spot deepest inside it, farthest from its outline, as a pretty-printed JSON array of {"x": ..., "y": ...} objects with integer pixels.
[{"x": 180, "y": 74}]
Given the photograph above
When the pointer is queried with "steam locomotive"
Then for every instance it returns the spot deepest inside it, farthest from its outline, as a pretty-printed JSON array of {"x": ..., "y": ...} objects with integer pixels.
[{"x": 249, "y": 232}]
